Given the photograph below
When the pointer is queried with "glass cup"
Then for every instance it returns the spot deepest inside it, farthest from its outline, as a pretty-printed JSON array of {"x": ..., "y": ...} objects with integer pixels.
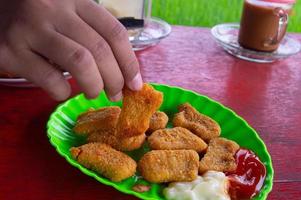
[
  {"x": 263, "y": 24},
  {"x": 133, "y": 14}
]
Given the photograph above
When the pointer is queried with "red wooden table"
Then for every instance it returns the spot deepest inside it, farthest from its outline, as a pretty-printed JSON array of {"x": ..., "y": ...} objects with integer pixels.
[{"x": 268, "y": 96}]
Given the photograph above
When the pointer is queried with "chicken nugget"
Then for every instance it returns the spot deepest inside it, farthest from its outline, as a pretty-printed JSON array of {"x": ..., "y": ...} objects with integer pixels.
[
  {"x": 160, "y": 166},
  {"x": 219, "y": 156},
  {"x": 105, "y": 160},
  {"x": 121, "y": 144},
  {"x": 137, "y": 109},
  {"x": 223, "y": 145},
  {"x": 158, "y": 121},
  {"x": 201, "y": 125},
  {"x": 176, "y": 138},
  {"x": 94, "y": 120}
]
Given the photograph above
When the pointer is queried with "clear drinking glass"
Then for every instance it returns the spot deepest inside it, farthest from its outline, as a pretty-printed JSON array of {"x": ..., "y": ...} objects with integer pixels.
[
  {"x": 132, "y": 13},
  {"x": 263, "y": 23}
]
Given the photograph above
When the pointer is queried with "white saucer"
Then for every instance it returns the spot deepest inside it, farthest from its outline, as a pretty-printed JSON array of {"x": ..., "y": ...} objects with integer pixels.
[
  {"x": 154, "y": 30},
  {"x": 227, "y": 36},
  {"x": 22, "y": 82}
]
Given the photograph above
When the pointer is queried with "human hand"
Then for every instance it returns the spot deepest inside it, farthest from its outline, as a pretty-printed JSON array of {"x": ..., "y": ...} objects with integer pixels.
[{"x": 79, "y": 36}]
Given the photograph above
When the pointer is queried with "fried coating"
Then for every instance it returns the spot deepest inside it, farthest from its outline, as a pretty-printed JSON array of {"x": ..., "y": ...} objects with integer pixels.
[
  {"x": 201, "y": 125},
  {"x": 94, "y": 120},
  {"x": 105, "y": 160},
  {"x": 160, "y": 166},
  {"x": 141, "y": 188},
  {"x": 137, "y": 109},
  {"x": 219, "y": 156},
  {"x": 158, "y": 121},
  {"x": 176, "y": 138},
  {"x": 101, "y": 126},
  {"x": 121, "y": 144}
]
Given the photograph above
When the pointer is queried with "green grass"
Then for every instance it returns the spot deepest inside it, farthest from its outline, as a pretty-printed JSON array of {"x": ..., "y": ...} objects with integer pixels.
[{"x": 207, "y": 13}]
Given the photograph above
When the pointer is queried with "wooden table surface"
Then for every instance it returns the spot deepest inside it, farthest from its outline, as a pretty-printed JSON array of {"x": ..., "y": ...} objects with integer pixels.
[{"x": 268, "y": 96}]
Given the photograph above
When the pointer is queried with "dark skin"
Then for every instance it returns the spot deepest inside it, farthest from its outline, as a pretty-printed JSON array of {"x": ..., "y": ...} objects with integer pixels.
[{"x": 78, "y": 36}]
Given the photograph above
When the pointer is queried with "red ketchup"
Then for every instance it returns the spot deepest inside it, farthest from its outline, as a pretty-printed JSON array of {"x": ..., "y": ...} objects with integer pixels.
[{"x": 248, "y": 178}]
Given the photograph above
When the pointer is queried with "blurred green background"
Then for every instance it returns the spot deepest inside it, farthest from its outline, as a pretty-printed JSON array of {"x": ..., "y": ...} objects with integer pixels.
[{"x": 207, "y": 13}]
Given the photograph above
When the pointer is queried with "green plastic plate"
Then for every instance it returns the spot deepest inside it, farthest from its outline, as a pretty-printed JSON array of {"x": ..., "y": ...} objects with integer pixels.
[{"x": 59, "y": 129}]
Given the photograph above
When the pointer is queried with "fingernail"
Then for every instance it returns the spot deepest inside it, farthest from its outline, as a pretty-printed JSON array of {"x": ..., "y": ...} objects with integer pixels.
[
  {"x": 117, "y": 97},
  {"x": 136, "y": 83}
]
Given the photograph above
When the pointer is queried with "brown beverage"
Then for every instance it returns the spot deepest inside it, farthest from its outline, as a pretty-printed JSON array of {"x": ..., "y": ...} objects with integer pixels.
[{"x": 263, "y": 25}]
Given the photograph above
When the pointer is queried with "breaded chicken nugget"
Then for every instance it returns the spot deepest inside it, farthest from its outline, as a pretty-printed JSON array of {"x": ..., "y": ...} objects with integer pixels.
[
  {"x": 219, "y": 156},
  {"x": 223, "y": 145},
  {"x": 160, "y": 166},
  {"x": 106, "y": 133},
  {"x": 201, "y": 125},
  {"x": 100, "y": 119},
  {"x": 176, "y": 138},
  {"x": 105, "y": 160},
  {"x": 137, "y": 109},
  {"x": 121, "y": 144},
  {"x": 158, "y": 121}
]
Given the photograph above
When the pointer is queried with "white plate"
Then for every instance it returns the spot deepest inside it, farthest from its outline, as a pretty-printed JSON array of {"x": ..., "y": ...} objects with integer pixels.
[
  {"x": 155, "y": 30},
  {"x": 227, "y": 36},
  {"x": 22, "y": 82}
]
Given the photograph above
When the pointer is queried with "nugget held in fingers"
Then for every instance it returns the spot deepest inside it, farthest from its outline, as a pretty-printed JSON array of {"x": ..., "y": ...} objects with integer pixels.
[
  {"x": 199, "y": 124},
  {"x": 121, "y": 144},
  {"x": 157, "y": 121},
  {"x": 137, "y": 109},
  {"x": 161, "y": 166},
  {"x": 176, "y": 138},
  {"x": 219, "y": 156},
  {"x": 105, "y": 160},
  {"x": 94, "y": 120}
]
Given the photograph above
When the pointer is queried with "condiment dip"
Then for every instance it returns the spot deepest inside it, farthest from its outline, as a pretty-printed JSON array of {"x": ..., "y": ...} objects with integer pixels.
[
  {"x": 248, "y": 178},
  {"x": 263, "y": 24},
  {"x": 212, "y": 185}
]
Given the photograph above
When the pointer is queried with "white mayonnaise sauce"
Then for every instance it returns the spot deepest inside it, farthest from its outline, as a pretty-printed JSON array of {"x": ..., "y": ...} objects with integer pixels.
[{"x": 210, "y": 186}]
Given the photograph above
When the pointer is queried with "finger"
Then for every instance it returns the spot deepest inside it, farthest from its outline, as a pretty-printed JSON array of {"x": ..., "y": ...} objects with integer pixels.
[
  {"x": 74, "y": 28},
  {"x": 117, "y": 37},
  {"x": 38, "y": 71},
  {"x": 73, "y": 58}
]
